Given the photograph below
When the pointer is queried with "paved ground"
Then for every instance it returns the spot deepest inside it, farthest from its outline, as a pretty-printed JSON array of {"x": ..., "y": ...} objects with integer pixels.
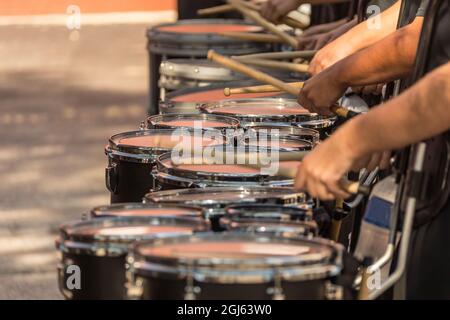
[{"x": 60, "y": 100}]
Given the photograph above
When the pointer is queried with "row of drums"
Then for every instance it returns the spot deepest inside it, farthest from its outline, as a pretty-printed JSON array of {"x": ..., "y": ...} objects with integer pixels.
[{"x": 204, "y": 231}]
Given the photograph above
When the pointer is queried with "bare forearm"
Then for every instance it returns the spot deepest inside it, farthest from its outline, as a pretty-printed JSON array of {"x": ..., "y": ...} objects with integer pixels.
[
  {"x": 364, "y": 34},
  {"x": 389, "y": 59},
  {"x": 419, "y": 113}
]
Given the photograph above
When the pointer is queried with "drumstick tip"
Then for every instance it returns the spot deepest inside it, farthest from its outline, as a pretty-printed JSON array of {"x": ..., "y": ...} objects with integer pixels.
[
  {"x": 226, "y": 92},
  {"x": 210, "y": 54}
]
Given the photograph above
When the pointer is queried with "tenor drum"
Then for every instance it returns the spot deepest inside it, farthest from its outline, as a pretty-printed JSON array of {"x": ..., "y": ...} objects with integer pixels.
[
  {"x": 137, "y": 209},
  {"x": 169, "y": 175},
  {"x": 193, "y": 39},
  {"x": 279, "y": 220},
  {"x": 214, "y": 199},
  {"x": 283, "y": 129},
  {"x": 194, "y": 121},
  {"x": 324, "y": 125},
  {"x": 235, "y": 265},
  {"x": 262, "y": 110},
  {"x": 262, "y": 140},
  {"x": 132, "y": 155},
  {"x": 98, "y": 247},
  {"x": 177, "y": 74},
  {"x": 189, "y": 99}
]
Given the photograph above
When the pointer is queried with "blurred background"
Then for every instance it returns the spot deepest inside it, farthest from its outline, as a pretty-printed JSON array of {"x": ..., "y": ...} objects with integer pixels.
[{"x": 72, "y": 73}]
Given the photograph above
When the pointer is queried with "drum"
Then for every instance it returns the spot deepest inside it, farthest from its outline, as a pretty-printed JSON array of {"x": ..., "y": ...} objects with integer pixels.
[
  {"x": 132, "y": 155},
  {"x": 260, "y": 110},
  {"x": 98, "y": 247},
  {"x": 214, "y": 199},
  {"x": 261, "y": 140},
  {"x": 276, "y": 219},
  {"x": 283, "y": 129},
  {"x": 177, "y": 74},
  {"x": 189, "y": 99},
  {"x": 137, "y": 209},
  {"x": 324, "y": 125},
  {"x": 194, "y": 121},
  {"x": 234, "y": 266},
  {"x": 193, "y": 39},
  {"x": 169, "y": 175}
]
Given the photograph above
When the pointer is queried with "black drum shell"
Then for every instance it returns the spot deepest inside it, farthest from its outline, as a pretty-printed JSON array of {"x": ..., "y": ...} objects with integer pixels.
[
  {"x": 132, "y": 180},
  {"x": 169, "y": 289},
  {"x": 102, "y": 278}
]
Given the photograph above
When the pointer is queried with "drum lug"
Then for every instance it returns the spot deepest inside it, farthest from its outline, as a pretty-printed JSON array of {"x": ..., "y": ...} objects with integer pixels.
[
  {"x": 333, "y": 292},
  {"x": 191, "y": 291},
  {"x": 277, "y": 290},
  {"x": 61, "y": 272},
  {"x": 111, "y": 177},
  {"x": 142, "y": 125},
  {"x": 134, "y": 285}
]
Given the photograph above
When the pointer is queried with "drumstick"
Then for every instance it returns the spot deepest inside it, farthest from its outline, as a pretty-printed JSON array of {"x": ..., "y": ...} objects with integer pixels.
[
  {"x": 255, "y": 16},
  {"x": 278, "y": 55},
  {"x": 263, "y": 77},
  {"x": 296, "y": 67},
  {"x": 249, "y": 36},
  {"x": 257, "y": 89},
  {"x": 292, "y": 22}
]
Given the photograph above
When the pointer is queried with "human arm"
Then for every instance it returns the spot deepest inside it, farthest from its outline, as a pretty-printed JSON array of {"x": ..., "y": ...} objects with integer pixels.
[{"x": 419, "y": 113}]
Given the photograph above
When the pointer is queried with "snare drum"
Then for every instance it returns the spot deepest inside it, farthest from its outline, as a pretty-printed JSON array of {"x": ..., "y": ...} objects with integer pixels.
[
  {"x": 193, "y": 39},
  {"x": 169, "y": 175},
  {"x": 260, "y": 110},
  {"x": 279, "y": 220},
  {"x": 177, "y": 74},
  {"x": 132, "y": 155},
  {"x": 137, "y": 209},
  {"x": 234, "y": 266},
  {"x": 98, "y": 247},
  {"x": 188, "y": 100}
]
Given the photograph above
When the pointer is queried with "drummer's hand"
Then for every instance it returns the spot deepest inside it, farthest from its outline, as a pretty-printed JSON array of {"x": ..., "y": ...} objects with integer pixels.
[
  {"x": 321, "y": 92},
  {"x": 321, "y": 170},
  {"x": 375, "y": 89},
  {"x": 275, "y": 10}
]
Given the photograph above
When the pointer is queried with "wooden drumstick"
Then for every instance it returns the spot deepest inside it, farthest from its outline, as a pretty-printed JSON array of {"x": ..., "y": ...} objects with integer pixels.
[
  {"x": 249, "y": 36},
  {"x": 255, "y": 16},
  {"x": 251, "y": 72},
  {"x": 296, "y": 67},
  {"x": 257, "y": 89},
  {"x": 290, "y": 21},
  {"x": 305, "y": 54},
  {"x": 263, "y": 77}
]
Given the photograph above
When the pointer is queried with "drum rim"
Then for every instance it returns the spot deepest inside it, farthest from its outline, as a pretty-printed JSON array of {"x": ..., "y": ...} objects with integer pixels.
[
  {"x": 192, "y": 70},
  {"x": 153, "y": 121},
  {"x": 200, "y": 177},
  {"x": 208, "y": 107},
  {"x": 282, "y": 137},
  {"x": 215, "y": 269},
  {"x": 155, "y": 30},
  {"x": 102, "y": 211},
  {"x": 147, "y": 154},
  {"x": 293, "y": 129},
  {"x": 116, "y": 245},
  {"x": 292, "y": 196}
]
